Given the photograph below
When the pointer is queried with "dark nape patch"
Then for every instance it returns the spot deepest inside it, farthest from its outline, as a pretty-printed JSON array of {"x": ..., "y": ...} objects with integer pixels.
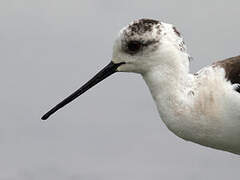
[{"x": 176, "y": 31}]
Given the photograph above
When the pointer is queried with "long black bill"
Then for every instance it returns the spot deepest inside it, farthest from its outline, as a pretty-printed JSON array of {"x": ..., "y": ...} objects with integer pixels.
[{"x": 104, "y": 73}]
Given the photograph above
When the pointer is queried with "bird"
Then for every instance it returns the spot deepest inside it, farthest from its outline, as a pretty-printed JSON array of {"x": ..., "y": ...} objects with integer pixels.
[{"x": 202, "y": 108}]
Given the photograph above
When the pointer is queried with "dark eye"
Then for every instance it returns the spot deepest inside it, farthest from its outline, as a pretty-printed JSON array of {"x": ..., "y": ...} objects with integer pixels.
[{"x": 134, "y": 46}]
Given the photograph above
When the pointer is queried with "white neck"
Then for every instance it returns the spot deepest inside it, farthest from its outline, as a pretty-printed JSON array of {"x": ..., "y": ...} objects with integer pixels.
[{"x": 170, "y": 87}]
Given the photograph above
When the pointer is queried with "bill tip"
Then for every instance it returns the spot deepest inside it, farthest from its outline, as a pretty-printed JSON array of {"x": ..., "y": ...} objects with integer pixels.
[{"x": 44, "y": 117}]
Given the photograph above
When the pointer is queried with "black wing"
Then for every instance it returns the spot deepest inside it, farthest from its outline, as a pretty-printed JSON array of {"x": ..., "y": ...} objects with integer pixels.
[{"x": 232, "y": 70}]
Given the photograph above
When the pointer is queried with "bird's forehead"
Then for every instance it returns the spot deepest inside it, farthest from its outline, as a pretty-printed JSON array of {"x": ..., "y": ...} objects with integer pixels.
[{"x": 142, "y": 29}]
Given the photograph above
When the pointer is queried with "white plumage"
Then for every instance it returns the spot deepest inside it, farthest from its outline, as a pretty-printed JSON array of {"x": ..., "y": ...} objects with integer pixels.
[{"x": 202, "y": 107}]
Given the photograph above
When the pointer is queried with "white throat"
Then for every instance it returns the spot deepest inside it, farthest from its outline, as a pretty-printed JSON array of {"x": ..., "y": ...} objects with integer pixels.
[{"x": 171, "y": 88}]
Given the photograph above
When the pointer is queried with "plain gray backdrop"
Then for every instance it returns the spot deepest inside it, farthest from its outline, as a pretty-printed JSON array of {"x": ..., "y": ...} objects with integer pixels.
[{"x": 48, "y": 48}]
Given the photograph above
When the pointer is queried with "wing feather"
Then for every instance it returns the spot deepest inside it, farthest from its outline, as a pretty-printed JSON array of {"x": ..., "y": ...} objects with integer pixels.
[{"x": 232, "y": 70}]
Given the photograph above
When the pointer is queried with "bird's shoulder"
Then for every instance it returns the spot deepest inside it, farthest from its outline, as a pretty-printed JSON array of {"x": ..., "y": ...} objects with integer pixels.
[
  {"x": 228, "y": 68},
  {"x": 231, "y": 67}
]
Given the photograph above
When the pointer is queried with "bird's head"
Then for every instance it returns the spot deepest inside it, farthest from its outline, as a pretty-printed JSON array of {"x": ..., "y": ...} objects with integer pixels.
[
  {"x": 141, "y": 46},
  {"x": 147, "y": 43}
]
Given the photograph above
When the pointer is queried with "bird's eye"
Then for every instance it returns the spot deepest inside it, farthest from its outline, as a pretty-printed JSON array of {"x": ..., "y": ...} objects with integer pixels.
[{"x": 134, "y": 46}]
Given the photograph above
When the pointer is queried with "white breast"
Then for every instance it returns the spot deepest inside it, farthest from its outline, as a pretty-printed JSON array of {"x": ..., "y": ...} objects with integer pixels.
[{"x": 204, "y": 109}]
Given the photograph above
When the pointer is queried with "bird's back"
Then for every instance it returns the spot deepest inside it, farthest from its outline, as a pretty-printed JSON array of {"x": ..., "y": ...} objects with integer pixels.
[{"x": 217, "y": 103}]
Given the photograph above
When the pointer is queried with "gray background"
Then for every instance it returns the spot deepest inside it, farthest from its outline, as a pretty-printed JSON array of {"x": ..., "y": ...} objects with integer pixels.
[{"x": 48, "y": 48}]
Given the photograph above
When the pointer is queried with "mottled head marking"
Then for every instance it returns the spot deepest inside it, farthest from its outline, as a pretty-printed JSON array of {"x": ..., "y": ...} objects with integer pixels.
[
  {"x": 145, "y": 32},
  {"x": 145, "y": 36},
  {"x": 146, "y": 43},
  {"x": 142, "y": 26},
  {"x": 176, "y": 31}
]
